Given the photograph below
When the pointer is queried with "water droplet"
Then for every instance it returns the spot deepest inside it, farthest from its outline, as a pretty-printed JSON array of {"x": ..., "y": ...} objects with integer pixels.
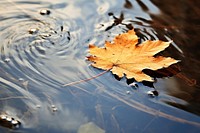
[
  {"x": 3, "y": 117},
  {"x": 55, "y": 109},
  {"x": 9, "y": 119},
  {"x": 128, "y": 92},
  {"x": 33, "y": 31},
  {"x": 166, "y": 29},
  {"x": 134, "y": 84},
  {"x": 152, "y": 93},
  {"x": 14, "y": 122},
  {"x": 45, "y": 12},
  {"x": 38, "y": 106},
  {"x": 44, "y": 36},
  {"x": 21, "y": 79},
  {"x": 7, "y": 60}
]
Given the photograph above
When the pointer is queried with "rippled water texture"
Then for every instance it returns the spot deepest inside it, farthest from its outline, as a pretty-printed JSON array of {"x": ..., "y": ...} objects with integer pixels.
[{"x": 41, "y": 51}]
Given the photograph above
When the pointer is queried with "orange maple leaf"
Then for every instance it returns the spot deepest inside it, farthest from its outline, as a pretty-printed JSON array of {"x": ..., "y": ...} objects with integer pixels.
[{"x": 125, "y": 56}]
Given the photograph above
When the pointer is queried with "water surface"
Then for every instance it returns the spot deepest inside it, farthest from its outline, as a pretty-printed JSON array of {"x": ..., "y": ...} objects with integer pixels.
[{"x": 41, "y": 51}]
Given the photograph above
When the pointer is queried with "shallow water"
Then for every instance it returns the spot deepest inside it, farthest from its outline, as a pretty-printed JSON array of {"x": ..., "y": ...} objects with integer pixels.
[{"x": 42, "y": 52}]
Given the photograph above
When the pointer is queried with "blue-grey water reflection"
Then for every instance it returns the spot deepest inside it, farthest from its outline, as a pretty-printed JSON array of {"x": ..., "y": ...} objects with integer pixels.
[{"x": 41, "y": 51}]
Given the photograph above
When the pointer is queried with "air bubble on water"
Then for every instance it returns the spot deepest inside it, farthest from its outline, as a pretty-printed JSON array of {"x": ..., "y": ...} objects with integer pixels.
[
  {"x": 38, "y": 106},
  {"x": 55, "y": 109},
  {"x": 14, "y": 122},
  {"x": 128, "y": 92},
  {"x": 152, "y": 93},
  {"x": 33, "y": 31},
  {"x": 21, "y": 79},
  {"x": 44, "y": 35},
  {"x": 134, "y": 84},
  {"x": 3, "y": 117},
  {"x": 45, "y": 12},
  {"x": 9, "y": 119},
  {"x": 166, "y": 29}
]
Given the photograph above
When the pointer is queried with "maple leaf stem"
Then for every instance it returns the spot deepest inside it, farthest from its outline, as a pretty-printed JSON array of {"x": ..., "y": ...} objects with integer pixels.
[{"x": 85, "y": 80}]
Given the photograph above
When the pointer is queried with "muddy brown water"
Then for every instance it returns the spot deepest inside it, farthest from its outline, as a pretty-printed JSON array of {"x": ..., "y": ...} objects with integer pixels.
[{"x": 43, "y": 46}]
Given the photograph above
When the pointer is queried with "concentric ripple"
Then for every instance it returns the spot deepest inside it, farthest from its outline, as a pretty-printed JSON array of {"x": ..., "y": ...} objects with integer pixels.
[{"x": 34, "y": 50}]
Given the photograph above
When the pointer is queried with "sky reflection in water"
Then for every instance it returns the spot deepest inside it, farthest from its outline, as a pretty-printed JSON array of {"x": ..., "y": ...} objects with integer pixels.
[{"x": 34, "y": 66}]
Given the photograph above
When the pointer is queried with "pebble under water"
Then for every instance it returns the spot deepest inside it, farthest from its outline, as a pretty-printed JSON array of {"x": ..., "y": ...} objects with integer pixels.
[{"x": 43, "y": 46}]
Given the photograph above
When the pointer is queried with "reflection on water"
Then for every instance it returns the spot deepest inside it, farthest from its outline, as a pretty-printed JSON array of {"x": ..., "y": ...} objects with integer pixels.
[{"x": 44, "y": 44}]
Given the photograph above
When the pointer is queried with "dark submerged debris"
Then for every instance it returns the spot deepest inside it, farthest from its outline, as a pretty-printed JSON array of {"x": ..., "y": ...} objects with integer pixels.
[
  {"x": 149, "y": 84},
  {"x": 118, "y": 21},
  {"x": 142, "y": 5},
  {"x": 45, "y": 12},
  {"x": 129, "y": 26},
  {"x": 68, "y": 35},
  {"x": 128, "y": 4},
  {"x": 117, "y": 77},
  {"x": 9, "y": 122},
  {"x": 164, "y": 72},
  {"x": 110, "y": 14},
  {"x": 61, "y": 28}
]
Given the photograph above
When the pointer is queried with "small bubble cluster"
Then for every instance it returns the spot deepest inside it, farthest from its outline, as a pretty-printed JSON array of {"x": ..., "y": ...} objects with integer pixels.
[
  {"x": 54, "y": 109},
  {"x": 9, "y": 122}
]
